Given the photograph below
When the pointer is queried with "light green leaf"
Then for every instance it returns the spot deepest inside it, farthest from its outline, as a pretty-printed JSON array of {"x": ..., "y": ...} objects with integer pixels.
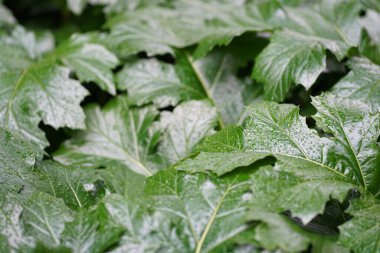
[
  {"x": 230, "y": 19},
  {"x": 362, "y": 232},
  {"x": 370, "y": 44},
  {"x": 145, "y": 233},
  {"x": 122, "y": 181},
  {"x": 40, "y": 92},
  {"x": 11, "y": 227},
  {"x": 156, "y": 30},
  {"x": 31, "y": 92},
  {"x": 297, "y": 55},
  {"x": 114, "y": 133},
  {"x": 44, "y": 217},
  {"x": 18, "y": 49},
  {"x": 89, "y": 60},
  {"x": 185, "y": 127},
  {"x": 361, "y": 83},
  {"x": 289, "y": 237},
  {"x": 90, "y": 232},
  {"x": 217, "y": 74},
  {"x": 77, "y": 6},
  {"x": 154, "y": 81},
  {"x": 207, "y": 210},
  {"x": 6, "y": 16}
]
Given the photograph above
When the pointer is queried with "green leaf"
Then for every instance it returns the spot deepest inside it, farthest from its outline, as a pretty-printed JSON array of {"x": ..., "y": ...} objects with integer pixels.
[
  {"x": 373, "y": 4},
  {"x": 90, "y": 231},
  {"x": 23, "y": 172},
  {"x": 18, "y": 49},
  {"x": 185, "y": 127},
  {"x": 318, "y": 166},
  {"x": 156, "y": 30},
  {"x": 309, "y": 167},
  {"x": 355, "y": 129},
  {"x": 44, "y": 217},
  {"x": 11, "y": 227},
  {"x": 209, "y": 211},
  {"x": 122, "y": 181},
  {"x": 296, "y": 55},
  {"x": 367, "y": 22},
  {"x": 370, "y": 43},
  {"x": 40, "y": 92},
  {"x": 144, "y": 232},
  {"x": 361, "y": 83},
  {"x": 289, "y": 236},
  {"x": 6, "y": 16},
  {"x": 154, "y": 81},
  {"x": 78, "y": 188},
  {"x": 230, "y": 19},
  {"x": 33, "y": 91},
  {"x": 89, "y": 60},
  {"x": 77, "y": 6},
  {"x": 298, "y": 186},
  {"x": 221, "y": 153},
  {"x": 362, "y": 232},
  {"x": 114, "y": 133},
  {"x": 18, "y": 160},
  {"x": 286, "y": 62},
  {"x": 217, "y": 74}
]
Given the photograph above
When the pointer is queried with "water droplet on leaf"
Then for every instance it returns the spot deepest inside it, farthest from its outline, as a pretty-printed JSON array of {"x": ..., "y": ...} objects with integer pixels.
[{"x": 30, "y": 160}]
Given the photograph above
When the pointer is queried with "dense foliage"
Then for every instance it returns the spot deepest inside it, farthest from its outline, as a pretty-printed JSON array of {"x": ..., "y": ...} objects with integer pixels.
[{"x": 147, "y": 126}]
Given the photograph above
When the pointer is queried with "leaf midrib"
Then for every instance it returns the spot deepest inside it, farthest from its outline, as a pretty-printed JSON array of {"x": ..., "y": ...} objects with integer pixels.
[
  {"x": 211, "y": 221},
  {"x": 139, "y": 164},
  {"x": 14, "y": 92},
  {"x": 205, "y": 86}
]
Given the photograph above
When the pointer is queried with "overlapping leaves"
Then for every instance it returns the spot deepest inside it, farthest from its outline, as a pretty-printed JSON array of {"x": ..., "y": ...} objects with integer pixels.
[
  {"x": 111, "y": 186},
  {"x": 34, "y": 88},
  {"x": 310, "y": 169}
]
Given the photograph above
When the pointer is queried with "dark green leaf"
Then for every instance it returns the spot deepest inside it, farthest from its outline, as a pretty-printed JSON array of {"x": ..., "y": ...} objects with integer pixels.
[{"x": 221, "y": 153}]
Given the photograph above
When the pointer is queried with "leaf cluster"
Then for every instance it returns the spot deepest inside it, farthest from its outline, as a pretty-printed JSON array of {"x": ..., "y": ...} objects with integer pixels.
[{"x": 190, "y": 126}]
